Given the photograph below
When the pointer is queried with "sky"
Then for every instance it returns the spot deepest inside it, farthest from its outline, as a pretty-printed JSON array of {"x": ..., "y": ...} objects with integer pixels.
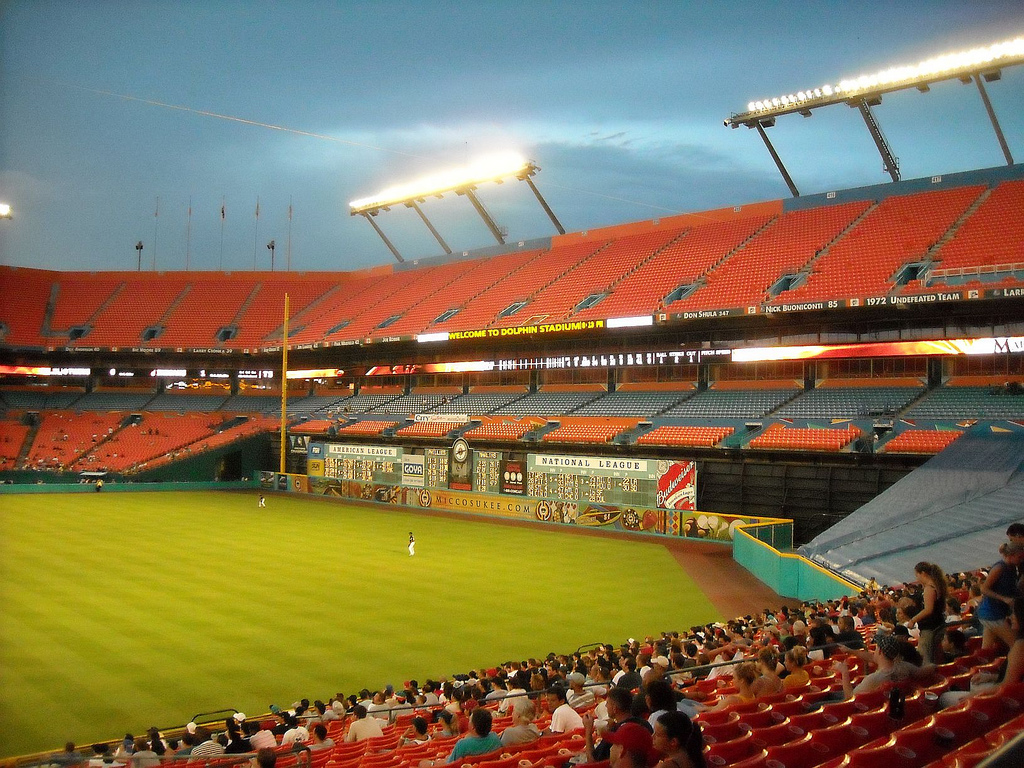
[{"x": 620, "y": 105}]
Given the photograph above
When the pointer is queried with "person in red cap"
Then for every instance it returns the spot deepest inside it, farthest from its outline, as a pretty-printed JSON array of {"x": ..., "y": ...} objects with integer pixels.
[{"x": 632, "y": 747}]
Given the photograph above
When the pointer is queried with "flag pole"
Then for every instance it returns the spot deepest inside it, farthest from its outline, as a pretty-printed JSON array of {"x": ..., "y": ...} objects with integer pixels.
[
  {"x": 256, "y": 234},
  {"x": 188, "y": 237},
  {"x": 156, "y": 229},
  {"x": 222, "y": 234},
  {"x": 284, "y": 388},
  {"x": 289, "y": 269}
]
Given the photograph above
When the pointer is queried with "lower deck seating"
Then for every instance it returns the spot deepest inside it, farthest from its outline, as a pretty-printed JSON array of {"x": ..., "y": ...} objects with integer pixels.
[
  {"x": 366, "y": 427},
  {"x": 685, "y": 436},
  {"x": 500, "y": 430},
  {"x": 921, "y": 441},
  {"x": 585, "y": 432},
  {"x": 793, "y": 438},
  {"x": 427, "y": 429}
]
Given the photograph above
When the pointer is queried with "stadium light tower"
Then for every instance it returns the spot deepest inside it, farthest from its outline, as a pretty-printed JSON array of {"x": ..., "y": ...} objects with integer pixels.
[
  {"x": 978, "y": 65},
  {"x": 463, "y": 182},
  {"x": 5, "y": 211}
]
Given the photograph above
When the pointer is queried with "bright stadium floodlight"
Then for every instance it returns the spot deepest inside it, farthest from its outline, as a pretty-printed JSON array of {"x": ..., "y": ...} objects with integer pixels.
[
  {"x": 463, "y": 182},
  {"x": 5, "y": 211},
  {"x": 976, "y": 65}
]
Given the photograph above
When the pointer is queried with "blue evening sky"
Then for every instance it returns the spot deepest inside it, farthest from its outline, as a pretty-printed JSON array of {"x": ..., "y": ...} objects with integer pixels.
[{"x": 620, "y": 103}]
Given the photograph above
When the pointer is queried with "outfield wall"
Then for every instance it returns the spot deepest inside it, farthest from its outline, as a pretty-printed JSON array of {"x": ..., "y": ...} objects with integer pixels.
[{"x": 211, "y": 485}]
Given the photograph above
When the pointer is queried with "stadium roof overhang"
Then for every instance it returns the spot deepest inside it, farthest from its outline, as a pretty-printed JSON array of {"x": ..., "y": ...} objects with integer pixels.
[{"x": 978, "y": 65}]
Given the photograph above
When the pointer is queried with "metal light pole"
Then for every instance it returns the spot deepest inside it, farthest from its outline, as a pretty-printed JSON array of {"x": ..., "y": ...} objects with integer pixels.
[
  {"x": 271, "y": 246},
  {"x": 138, "y": 247}
]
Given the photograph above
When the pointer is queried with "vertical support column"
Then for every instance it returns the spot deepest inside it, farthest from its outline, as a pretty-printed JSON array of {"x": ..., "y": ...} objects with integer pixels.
[
  {"x": 544, "y": 205},
  {"x": 383, "y": 237},
  {"x": 892, "y": 165},
  {"x": 491, "y": 225},
  {"x": 437, "y": 235}
]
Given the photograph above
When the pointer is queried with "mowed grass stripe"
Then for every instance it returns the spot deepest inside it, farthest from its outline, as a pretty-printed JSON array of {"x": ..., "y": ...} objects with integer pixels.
[{"x": 120, "y": 611}]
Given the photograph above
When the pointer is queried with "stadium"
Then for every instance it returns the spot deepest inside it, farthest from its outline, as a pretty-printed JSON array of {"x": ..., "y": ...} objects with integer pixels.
[{"x": 731, "y": 428}]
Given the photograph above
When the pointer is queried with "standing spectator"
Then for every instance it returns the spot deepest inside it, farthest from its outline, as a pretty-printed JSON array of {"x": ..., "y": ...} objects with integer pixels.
[
  {"x": 999, "y": 590},
  {"x": 931, "y": 619}
]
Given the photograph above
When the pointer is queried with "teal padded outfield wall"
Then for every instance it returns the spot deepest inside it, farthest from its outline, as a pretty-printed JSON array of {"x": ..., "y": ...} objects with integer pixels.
[
  {"x": 212, "y": 485},
  {"x": 789, "y": 575}
]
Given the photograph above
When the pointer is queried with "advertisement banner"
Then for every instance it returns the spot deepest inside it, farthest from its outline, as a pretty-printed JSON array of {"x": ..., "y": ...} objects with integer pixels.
[
  {"x": 587, "y": 466},
  {"x": 413, "y": 471},
  {"x": 677, "y": 485}
]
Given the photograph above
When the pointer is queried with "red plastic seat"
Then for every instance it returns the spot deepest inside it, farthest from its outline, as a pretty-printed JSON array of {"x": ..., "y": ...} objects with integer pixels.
[
  {"x": 877, "y": 723},
  {"x": 762, "y": 718},
  {"x": 802, "y": 753},
  {"x": 813, "y": 721},
  {"x": 841, "y": 737},
  {"x": 730, "y": 751},
  {"x": 783, "y": 733}
]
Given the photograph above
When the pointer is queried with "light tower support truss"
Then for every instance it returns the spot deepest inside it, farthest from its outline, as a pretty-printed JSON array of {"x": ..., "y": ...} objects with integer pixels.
[
  {"x": 979, "y": 64},
  {"x": 463, "y": 182}
]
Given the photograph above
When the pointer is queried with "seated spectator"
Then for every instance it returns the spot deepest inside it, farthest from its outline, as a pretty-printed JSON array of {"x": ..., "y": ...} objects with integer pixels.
[
  {"x": 363, "y": 727},
  {"x": 416, "y": 733},
  {"x": 206, "y": 747},
  {"x": 479, "y": 741},
  {"x": 259, "y": 738},
  {"x": 744, "y": 677},
  {"x": 296, "y": 733},
  {"x": 954, "y": 644},
  {"x": 523, "y": 730},
  {"x": 237, "y": 743},
  {"x": 266, "y": 758},
  {"x": 320, "y": 738},
  {"x": 142, "y": 756},
  {"x": 890, "y": 656},
  {"x": 1013, "y": 671},
  {"x": 795, "y": 661},
  {"x": 563, "y": 717},
  {"x": 679, "y": 741},
  {"x": 578, "y": 696},
  {"x": 848, "y": 634},
  {"x": 620, "y": 711},
  {"x": 769, "y": 682},
  {"x": 70, "y": 756},
  {"x": 659, "y": 698}
]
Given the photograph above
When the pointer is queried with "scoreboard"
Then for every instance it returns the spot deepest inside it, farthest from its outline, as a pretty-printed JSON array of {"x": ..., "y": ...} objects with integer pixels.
[
  {"x": 615, "y": 481},
  {"x": 610, "y": 481}
]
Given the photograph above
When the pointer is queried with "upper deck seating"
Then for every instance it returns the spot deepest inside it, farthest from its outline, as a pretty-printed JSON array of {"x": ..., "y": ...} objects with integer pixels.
[
  {"x": 678, "y": 264},
  {"x": 992, "y": 235},
  {"x": 782, "y": 248},
  {"x": 262, "y": 316},
  {"x": 596, "y": 273},
  {"x": 80, "y": 296},
  {"x": 140, "y": 305},
  {"x": 208, "y": 305},
  {"x": 363, "y": 403},
  {"x": 528, "y": 285},
  {"x": 899, "y": 231},
  {"x": 252, "y": 404},
  {"x": 412, "y": 403},
  {"x": 478, "y": 404},
  {"x": 24, "y": 295}
]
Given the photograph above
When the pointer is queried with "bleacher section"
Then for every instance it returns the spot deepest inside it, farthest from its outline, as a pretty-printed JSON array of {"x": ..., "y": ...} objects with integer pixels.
[
  {"x": 363, "y": 403},
  {"x": 427, "y": 429},
  {"x": 366, "y": 427},
  {"x": 475, "y": 404},
  {"x": 62, "y": 437},
  {"x": 39, "y": 399},
  {"x": 12, "y": 438},
  {"x": 588, "y": 431},
  {"x": 252, "y": 404},
  {"x": 121, "y": 400},
  {"x": 500, "y": 430},
  {"x": 184, "y": 403}
]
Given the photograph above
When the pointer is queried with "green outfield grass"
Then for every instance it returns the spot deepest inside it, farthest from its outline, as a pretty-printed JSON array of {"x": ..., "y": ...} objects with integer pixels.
[{"x": 119, "y": 611}]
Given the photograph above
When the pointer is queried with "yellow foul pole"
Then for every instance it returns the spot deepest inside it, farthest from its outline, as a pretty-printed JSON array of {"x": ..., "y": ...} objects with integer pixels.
[{"x": 284, "y": 388}]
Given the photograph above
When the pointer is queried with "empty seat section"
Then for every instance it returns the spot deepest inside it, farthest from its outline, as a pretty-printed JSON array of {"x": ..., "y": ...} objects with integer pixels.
[
  {"x": 305, "y": 406},
  {"x": 596, "y": 431},
  {"x": 733, "y": 403},
  {"x": 252, "y": 404},
  {"x": 632, "y": 403},
  {"x": 154, "y": 437},
  {"x": 953, "y": 402},
  {"x": 184, "y": 403},
  {"x": 680, "y": 263},
  {"x": 367, "y": 427},
  {"x": 114, "y": 400},
  {"x": 438, "y": 289},
  {"x": 921, "y": 441},
  {"x": 597, "y": 273},
  {"x": 475, "y": 404},
  {"x": 427, "y": 429},
  {"x": 530, "y": 284},
  {"x": 51, "y": 398},
  {"x": 141, "y": 304},
  {"x": 79, "y": 297},
  {"x": 261, "y": 317},
  {"x": 413, "y": 403},
  {"x": 899, "y": 231},
  {"x": 483, "y": 297},
  {"x": 500, "y": 430},
  {"x": 993, "y": 235},
  {"x": 797, "y": 439},
  {"x": 848, "y": 399},
  {"x": 209, "y": 306},
  {"x": 24, "y": 294},
  {"x": 782, "y": 248},
  {"x": 12, "y": 438},
  {"x": 685, "y": 435},
  {"x": 253, "y": 426},
  {"x": 547, "y": 404}
]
